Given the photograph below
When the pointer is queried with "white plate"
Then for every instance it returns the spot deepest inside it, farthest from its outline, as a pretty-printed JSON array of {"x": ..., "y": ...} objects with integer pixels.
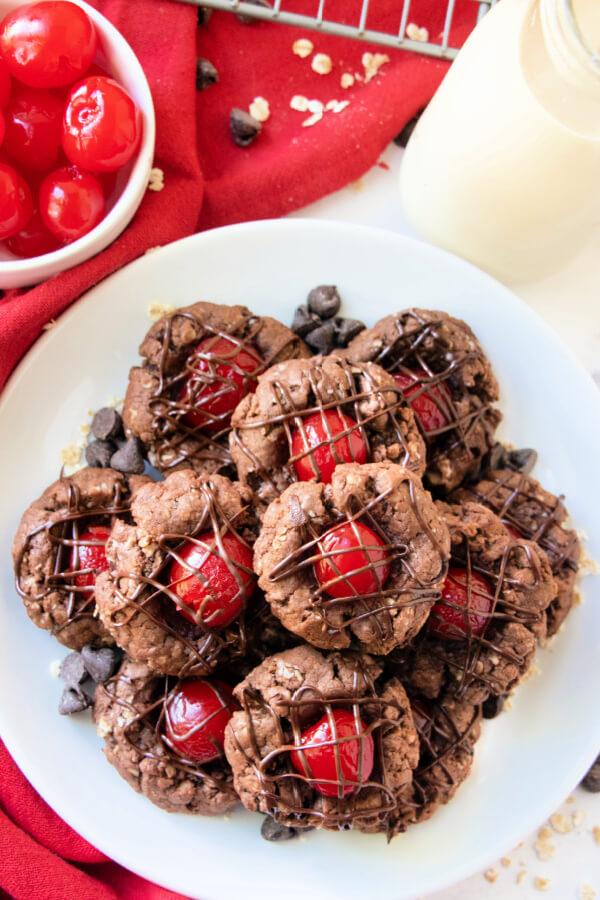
[{"x": 528, "y": 760}]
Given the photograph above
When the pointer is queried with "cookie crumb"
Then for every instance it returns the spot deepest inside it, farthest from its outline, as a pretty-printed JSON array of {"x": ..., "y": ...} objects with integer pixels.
[
  {"x": 415, "y": 33},
  {"x": 114, "y": 402},
  {"x": 54, "y": 668},
  {"x": 586, "y": 892},
  {"x": 358, "y": 186},
  {"x": 71, "y": 454},
  {"x": 596, "y": 833},
  {"x": 347, "y": 80},
  {"x": 299, "y": 102},
  {"x": 506, "y": 862},
  {"x": 259, "y": 109},
  {"x": 152, "y": 249},
  {"x": 490, "y": 875},
  {"x": 561, "y": 823},
  {"x": 521, "y": 876},
  {"x": 544, "y": 833},
  {"x": 156, "y": 182},
  {"x": 372, "y": 63},
  {"x": 542, "y": 884},
  {"x": 84, "y": 429},
  {"x": 321, "y": 64},
  {"x": 544, "y": 850},
  {"x": 157, "y": 310},
  {"x": 578, "y": 818},
  {"x": 302, "y": 47},
  {"x": 49, "y": 325}
]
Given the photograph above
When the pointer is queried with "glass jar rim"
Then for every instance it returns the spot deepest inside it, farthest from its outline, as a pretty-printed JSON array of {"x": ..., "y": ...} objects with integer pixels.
[{"x": 592, "y": 55}]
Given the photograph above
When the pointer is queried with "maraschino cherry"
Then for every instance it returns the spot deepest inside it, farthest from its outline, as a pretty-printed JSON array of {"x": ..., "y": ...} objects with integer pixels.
[
  {"x": 88, "y": 557},
  {"x": 317, "y": 449},
  {"x": 212, "y": 590},
  {"x": 318, "y": 759},
  {"x": 196, "y": 715},
  {"x": 449, "y": 618},
  {"x": 430, "y": 404},
  {"x": 354, "y": 561},
  {"x": 222, "y": 373}
]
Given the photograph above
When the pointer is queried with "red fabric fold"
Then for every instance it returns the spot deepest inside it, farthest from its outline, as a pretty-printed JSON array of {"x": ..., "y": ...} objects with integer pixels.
[{"x": 209, "y": 181}]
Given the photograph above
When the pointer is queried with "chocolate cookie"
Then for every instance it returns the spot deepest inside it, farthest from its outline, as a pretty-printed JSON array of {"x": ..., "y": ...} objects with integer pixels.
[
  {"x": 365, "y": 731},
  {"x": 58, "y": 546},
  {"x": 446, "y": 378},
  {"x": 180, "y": 578},
  {"x": 448, "y": 730},
  {"x": 199, "y": 362},
  {"x": 129, "y": 712},
  {"x": 306, "y": 417},
  {"x": 506, "y": 585},
  {"x": 536, "y": 514},
  {"x": 364, "y": 557}
]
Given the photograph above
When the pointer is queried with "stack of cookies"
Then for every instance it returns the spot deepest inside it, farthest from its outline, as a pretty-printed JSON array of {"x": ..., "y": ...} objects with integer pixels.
[{"x": 331, "y": 573}]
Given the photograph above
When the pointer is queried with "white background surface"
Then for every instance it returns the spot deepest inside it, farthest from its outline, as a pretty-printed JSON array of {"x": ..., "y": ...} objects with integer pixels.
[{"x": 569, "y": 302}]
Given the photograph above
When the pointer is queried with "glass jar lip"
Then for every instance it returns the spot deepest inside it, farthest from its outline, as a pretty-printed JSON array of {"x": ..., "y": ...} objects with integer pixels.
[{"x": 592, "y": 55}]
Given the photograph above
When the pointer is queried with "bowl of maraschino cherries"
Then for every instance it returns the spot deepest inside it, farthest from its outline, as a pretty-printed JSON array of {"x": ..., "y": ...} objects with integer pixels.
[{"x": 76, "y": 137}]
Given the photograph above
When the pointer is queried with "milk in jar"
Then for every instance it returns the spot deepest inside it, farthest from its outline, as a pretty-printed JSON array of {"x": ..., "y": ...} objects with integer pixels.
[{"x": 503, "y": 167}]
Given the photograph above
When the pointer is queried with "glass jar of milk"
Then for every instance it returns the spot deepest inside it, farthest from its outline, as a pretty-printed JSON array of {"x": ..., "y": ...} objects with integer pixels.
[{"x": 503, "y": 167}]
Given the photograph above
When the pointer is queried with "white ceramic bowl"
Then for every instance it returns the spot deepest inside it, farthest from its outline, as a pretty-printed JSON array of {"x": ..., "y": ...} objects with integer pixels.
[{"x": 115, "y": 54}]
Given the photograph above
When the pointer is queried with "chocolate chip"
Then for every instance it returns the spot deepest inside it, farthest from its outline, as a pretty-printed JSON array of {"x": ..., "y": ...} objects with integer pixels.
[
  {"x": 72, "y": 701},
  {"x": 591, "y": 782},
  {"x": 403, "y": 138},
  {"x": 72, "y": 670},
  {"x": 206, "y": 74},
  {"x": 346, "y": 330},
  {"x": 100, "y": 662},
  {"x": 244, "y": 127},
  {"x": 493, "y": 706},
  {"x": 304, "y": 321},
  {"x": 250, "y": 20},
  {"x": 522, "y": 461},
  {"x": 497, "y": 458},
  {"x": 129, "y": 458},
  {"x": 204, "y": 14},
  {"x": 325, "y": 301},
  {"x": 98, "y": 453},
  {"x": 107, "y": 424},
  {"x": 321, "y": 340},
  {"x": 271, "y": 830}
]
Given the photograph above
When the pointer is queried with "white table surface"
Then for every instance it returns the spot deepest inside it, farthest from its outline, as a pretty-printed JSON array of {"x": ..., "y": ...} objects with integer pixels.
[{"x": 569, "y": 302}]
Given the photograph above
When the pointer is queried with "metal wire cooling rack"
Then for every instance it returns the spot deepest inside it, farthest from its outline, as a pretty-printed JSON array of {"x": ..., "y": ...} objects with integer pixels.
[{"x": 398, "y": 39}]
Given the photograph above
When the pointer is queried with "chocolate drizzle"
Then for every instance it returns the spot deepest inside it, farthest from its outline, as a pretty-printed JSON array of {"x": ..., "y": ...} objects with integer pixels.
[
  {"x": 458, "y": 382},
  {"x": 154, "y": 597},
  {"x": 446, "y": 745},
  {"x": 63, "y": 530},
  {"x": 403, "y": 588},
  {"x": 176, "y": 440},
  {"x": 365, "y": 405},
  {"x": 145, "y": 716},
  {"x": 537, "y": 516},
  {"x": 289, "y": 796},
  {"x": 474, "y": 658}
]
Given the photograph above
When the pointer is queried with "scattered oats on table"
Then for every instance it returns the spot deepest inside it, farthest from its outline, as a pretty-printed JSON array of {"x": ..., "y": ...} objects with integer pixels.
[
  {"x": 299, "y": 102},
  {"x": 587, "y": 892},
  {"x": 561, "y": 823},
  {"x": 157, "y": 310},
  {"x": 347, "y": 80},
  {"x": 372, "y": 63},
  {"x": 302, "y": 47},
  {"x": 578, "y": 818},
  {"x": 542, "y": 884},
  {"x": 414, "y": 33},
  {"x": 596, "y": 833},
  {"x": 506, "y": 862},
  {"x": 71, "y": 454},
  {"x": 259, "y": 109},
  {"x": 321, "y": 64},
  {"x": 521, "y": 876},
  {"x": 544, "y": 849},
  {"x": 49, "y": 325},
  {"x": 490, "y": 875},
  {"x": 156, "y": 182}
]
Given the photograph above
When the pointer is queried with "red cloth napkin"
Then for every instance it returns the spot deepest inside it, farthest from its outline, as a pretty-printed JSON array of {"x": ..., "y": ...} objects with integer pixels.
[{"x": 209, "y": 181}]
